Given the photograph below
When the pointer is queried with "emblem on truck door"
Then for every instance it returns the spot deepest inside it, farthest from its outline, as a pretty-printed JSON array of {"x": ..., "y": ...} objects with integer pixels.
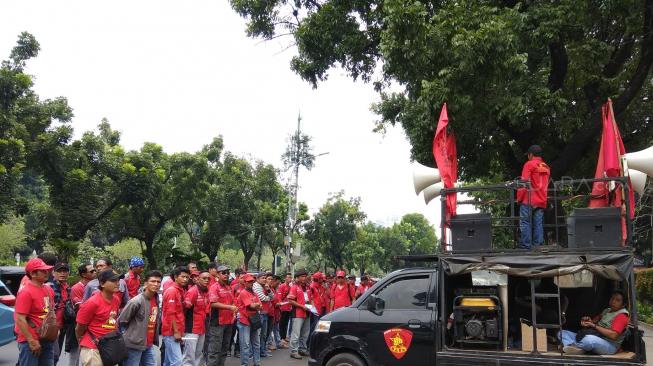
[{"x": 398, "y": 341}]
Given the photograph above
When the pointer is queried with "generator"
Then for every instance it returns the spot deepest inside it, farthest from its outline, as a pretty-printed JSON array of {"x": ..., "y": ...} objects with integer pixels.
[{"x": 477, "y": 318}]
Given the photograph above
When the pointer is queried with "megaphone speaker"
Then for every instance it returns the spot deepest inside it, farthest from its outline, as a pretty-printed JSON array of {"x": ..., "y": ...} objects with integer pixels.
[
  {"x": 641, "y": 160},
  {"x": 638, "y": 181},
  {"x": 424, "y": 176}
]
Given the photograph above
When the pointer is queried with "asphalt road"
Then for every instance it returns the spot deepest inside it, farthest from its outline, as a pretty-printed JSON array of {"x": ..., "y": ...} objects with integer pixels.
[{"x": 9, "y": 356}]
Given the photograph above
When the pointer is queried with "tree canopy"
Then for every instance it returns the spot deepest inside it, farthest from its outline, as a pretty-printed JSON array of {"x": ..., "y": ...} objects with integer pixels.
[{"x": 513, "y": 73}]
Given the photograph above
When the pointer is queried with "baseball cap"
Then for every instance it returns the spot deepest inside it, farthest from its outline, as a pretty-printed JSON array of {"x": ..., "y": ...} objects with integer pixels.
[
  {"x": 59, "y": 266},
  {"x": 36, "y": 264},
  {"x": 317, "y": 275},
  {"x": 222, "y": 268},
  {"x": 340, "y": 274},
  {"x": 535, "y": 150},
  {"x": 248, "y": 277},
  {"x": 136, "y": 262},
  {"x": 301, "y": 272},
  {"x": 108, "y": 275},
  {"x": 195, "y": 273}
]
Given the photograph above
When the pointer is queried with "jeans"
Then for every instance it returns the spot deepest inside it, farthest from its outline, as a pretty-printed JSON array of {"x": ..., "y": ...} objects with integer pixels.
[
  {"x": 589, "y": 343},
  {"x": 73, "y": 356},
  {"x": 264, "y": 334},
  {"x": 173, "y": 351},
  {"x": 27, "y": 358},
  {"x": 299, "y": 336},
  {"x": 531, "y": 235},
  {"x": 283, "y": 324},
  {"x": 136, "y": 357},
  {"x": 220, "y": 336},
  {"x": 249, "y": 343},
  {"x": 193, "y": 346},
  {"x": 275, "y": 336}
]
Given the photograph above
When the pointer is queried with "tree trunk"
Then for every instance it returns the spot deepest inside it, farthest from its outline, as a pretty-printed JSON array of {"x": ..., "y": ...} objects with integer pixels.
[
  {"x": 149, "y": 252},
  {"x": 259, "y": 245}
]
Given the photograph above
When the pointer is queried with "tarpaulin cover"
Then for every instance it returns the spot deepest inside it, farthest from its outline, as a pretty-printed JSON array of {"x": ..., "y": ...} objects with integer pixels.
[{"x": 614, "y": 266}]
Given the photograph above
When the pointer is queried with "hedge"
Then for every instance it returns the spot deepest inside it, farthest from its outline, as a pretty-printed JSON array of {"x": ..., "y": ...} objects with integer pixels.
[{"x": 644, "y": 285}]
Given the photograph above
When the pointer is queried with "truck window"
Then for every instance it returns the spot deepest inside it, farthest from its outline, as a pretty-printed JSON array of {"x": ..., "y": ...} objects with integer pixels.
[{"x": 406, "y": 293}]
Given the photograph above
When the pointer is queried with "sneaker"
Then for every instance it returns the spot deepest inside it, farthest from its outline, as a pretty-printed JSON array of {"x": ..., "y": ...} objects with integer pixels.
[
  {"x": 272, "y": 348},
  {"x": 295, "y": 356},
  {"x": 573, "y": 350},
  {"x": 304, "y": 353}
]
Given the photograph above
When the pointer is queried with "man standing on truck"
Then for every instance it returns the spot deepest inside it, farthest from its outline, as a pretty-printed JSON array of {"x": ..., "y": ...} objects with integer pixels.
[{"x": 537, "y": 173}]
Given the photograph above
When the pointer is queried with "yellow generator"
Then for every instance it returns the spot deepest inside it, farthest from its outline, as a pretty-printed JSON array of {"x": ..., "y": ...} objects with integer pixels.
[{"x": 477, "y": 318}]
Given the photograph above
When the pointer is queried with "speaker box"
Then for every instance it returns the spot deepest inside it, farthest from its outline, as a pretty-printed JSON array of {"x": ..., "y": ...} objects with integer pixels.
[
  {"x": 594, "y": 228},
  {"x": 471, "y": 232}
]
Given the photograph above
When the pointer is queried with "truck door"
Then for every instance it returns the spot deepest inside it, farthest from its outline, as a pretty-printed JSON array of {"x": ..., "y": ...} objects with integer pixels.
[{"x": 400, "y": 329}]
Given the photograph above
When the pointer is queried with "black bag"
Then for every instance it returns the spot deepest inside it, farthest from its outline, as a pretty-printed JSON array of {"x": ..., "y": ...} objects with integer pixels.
[
  {"x": 112, "y": 348},
  {"x": 255, "y": 321},
  {"x": 69, "y": 313},
  {"x": 585, "y": 332}
]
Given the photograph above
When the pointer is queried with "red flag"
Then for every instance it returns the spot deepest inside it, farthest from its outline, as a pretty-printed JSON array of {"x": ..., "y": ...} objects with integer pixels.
[
  {"x": 444, "y": 151},
  {"x": 609, "y": 165}
]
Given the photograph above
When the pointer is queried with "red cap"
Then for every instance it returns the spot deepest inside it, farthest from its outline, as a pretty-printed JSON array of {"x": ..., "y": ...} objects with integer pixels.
[
  {"x": 195, "y": 273},
  {"x": 317, "y": 275},
  {"x": 36, "y": 264},
  {"x": 248, "y": 277},
  {"x": 340, "y": 274}
]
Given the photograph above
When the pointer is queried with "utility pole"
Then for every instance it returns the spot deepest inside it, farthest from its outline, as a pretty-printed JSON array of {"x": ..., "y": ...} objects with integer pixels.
[{"x": 295, "y": 162}]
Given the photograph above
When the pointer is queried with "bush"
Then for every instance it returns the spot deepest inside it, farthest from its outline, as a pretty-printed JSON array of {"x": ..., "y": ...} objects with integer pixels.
[{"x": 644, "y": 286}]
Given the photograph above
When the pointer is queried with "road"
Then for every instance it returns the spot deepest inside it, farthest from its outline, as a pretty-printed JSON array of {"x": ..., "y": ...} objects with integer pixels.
[{"x": 9, "y": 355}]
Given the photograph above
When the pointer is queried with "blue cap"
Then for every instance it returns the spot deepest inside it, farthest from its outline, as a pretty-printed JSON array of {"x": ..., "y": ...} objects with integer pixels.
[{"x": 136, "y": 262}]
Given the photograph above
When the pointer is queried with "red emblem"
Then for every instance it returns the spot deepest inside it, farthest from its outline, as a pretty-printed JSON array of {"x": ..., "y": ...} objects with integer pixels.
[{"x": 398, "y": 341}]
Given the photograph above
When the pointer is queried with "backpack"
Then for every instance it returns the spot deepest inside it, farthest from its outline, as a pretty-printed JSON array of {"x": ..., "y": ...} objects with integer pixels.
[{"x": 48, "y": 331}]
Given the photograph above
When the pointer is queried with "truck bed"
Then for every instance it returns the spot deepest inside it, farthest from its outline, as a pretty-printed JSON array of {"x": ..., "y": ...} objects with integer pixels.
[{"x": 452, "y": 357}]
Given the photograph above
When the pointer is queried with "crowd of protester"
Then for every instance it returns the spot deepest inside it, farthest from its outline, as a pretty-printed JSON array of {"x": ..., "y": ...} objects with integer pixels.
[{"x": 192, "y": 316}]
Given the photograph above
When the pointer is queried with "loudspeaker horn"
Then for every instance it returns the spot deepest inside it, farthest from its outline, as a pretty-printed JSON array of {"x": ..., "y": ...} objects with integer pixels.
[
  {"x": 641, "y": 160},
  {"x": 432, "y": 191},
  {"x": 637, "y": 180},
  {"x": 424, "y": 176}
]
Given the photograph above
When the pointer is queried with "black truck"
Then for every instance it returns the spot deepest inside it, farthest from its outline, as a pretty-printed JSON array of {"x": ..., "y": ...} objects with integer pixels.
[{"x": 499, "y": 306}]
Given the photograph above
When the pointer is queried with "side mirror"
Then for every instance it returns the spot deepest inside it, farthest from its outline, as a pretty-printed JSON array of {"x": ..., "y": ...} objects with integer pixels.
[{"x": 375, "y": 304}]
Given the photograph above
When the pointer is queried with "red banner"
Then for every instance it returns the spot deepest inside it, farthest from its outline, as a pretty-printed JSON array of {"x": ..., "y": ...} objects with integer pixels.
[{"x": 444, "y": 152}]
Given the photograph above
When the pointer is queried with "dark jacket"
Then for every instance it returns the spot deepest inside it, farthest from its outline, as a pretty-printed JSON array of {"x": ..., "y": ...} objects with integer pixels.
[{"x": 134, "y": 318}]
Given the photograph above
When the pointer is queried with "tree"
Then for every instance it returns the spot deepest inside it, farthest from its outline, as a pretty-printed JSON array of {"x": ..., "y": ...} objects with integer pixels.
[
  {"x": 419, "y": 234},
  {"x": 366, "y": 250},
  {"x": 513, "y": 73},
  {"x": 333, "y": 229},
  {"x": 12, "y": 239},
  {"x": 26, "y": 122}
]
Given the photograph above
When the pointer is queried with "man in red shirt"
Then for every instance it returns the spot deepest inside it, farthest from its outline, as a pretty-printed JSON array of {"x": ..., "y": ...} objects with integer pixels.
[
  {"x": 299, "y": 299},
  {"x": 285, "y": 307},
  {"x": 196, "y": 303},
  {"x": 249, "y": 337},
  {"x": 97, "y": 317},
  {"x": 532, "y": 205},
  {"x": 213, "y": 271},
  {"x": 340, "y": 292},
  {"x": 141, "y": 319},
  {"x": 59, "y": 285},
  {"x": 173, "y": 323},
  {"x": 133, "y": 277},
  {"x": 33, "y": 303},
  {"x": 86, "y": 273},
  {"x": 223, "y": 316},
  {"x": 364, "y": 286}
]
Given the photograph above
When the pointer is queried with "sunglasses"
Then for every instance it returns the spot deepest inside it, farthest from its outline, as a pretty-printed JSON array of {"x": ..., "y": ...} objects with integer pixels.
[{"x": 224, "y": 272}]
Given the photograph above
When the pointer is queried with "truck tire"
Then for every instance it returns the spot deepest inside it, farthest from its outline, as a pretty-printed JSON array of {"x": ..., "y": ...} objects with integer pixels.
[{"x": 345, "y": 359}]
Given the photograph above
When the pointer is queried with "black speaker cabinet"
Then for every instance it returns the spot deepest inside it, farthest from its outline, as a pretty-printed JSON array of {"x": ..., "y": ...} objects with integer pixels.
[
  {"x": 594, "y": 228},
  {"x": 471, "y": 232}
]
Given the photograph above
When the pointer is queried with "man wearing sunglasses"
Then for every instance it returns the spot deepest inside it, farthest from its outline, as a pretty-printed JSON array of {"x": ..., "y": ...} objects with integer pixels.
[
  {"x": 222, "y": 318},
  {"x": 86, "y": 274}
]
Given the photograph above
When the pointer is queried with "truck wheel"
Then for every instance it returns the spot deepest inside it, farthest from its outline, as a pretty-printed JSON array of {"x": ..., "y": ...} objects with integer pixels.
[{"x": 345, "y": 359}]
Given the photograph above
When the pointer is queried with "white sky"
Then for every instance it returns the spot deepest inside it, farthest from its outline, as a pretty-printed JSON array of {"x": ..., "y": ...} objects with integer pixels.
[{"x": 179, "y": 73}]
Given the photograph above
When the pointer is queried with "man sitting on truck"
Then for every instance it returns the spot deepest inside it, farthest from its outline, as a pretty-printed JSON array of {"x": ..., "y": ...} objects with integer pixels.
[{"x": 601, "y": 334}]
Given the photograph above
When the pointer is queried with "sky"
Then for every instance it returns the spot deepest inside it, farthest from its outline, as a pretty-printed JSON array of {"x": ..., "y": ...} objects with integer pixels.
[{"x": 180, "y": 73}]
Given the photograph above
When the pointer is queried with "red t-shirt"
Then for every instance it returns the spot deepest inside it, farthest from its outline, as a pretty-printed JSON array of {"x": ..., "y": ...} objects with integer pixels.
[
  {"x": 246, "y": 298},
  {"x": 34, "y": 302},
  {"x": 173, "y": 308},
  {"x": 316, "y": 295},
  {"x": 133, "y": 283},
  {"x": 537, "y": 172},
  {"x": 619, "y": 323},
  {"x": 297, "y": 293},
  {"x": 100, "y": 315},
  {"x": 361, "y": 289},
  {"x": 151, "y": 323},
  {"x": 77, "y": 293},
  {"x": 283, "y": 292},
  {"x": 341, "y": 296},
  {"x": 212, "y": 281},
  {"x": 224, "y": 295},
  {"x": 195, "y": 319}
]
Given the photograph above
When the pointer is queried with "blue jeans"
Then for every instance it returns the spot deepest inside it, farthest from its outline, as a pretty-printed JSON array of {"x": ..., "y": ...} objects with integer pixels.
[
  {"x": 136, "y": 357},
  {"x": 27, "y": 358},
  {"x": 589, "y": 343},
  {"x": 531, "y": 235},
  {"x": 249, "y": 344},
  {"x": 173, "y": 351},
  {"x": 264, "y": 335}
]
